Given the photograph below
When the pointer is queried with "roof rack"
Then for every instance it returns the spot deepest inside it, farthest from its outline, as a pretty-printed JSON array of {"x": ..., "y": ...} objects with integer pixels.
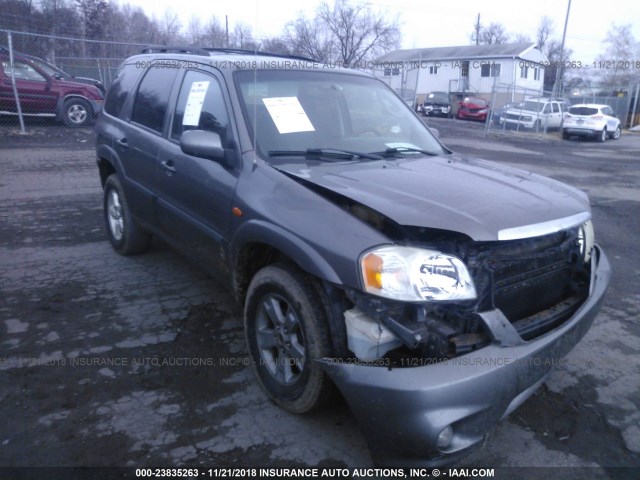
[
  {"x": 168, "y": 49},
  {"x": 206, "y": 51},
  {"x": 258, "y": 52}
]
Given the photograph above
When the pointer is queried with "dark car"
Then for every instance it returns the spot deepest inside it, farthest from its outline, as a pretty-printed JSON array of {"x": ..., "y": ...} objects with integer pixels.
[
  {"x": 473, "y": 108},
  {"x": 434, "y": 290},
  {"x": 43, "y": 93},
  {"x": 437, "y": 104}
]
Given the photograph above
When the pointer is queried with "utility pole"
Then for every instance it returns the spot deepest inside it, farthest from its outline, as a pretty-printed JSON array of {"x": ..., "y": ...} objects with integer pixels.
[
  {"x": 478, "y": 30},
  {"x": 559, "y": 68},
  {"x": 226, "y": 30}
]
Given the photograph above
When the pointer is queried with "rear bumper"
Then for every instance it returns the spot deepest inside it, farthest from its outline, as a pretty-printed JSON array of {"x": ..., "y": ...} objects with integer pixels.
[
  {"x": 585, "y": 132},
  {"x": 402, "y": 411}
]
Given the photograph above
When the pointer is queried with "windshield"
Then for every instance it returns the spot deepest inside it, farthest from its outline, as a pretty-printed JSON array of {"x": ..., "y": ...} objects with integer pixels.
[
  {"x": 533, "y": 106},
  {"x": 438, "y": 97},
  {"x": 295, "y": 111}
]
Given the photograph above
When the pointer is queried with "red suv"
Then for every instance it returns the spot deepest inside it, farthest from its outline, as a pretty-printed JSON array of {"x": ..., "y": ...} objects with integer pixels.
[
  {"x": 473, "y": 108},
  {"x": 43, "y": 95}
]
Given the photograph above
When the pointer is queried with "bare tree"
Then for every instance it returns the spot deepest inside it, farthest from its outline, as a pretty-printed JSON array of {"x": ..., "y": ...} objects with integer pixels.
[
  {"x": 170, "y": 28},
  {"x": 522, "y": 38},
  {"x": 275, "y": 45},
  {"x": 554, "y": 54},
  {"x": 545, "y": 28},
  {"x": 620, "y": 47},
  {"x": 195, "y": 31},
  {"x": 494, "y": 34},
  {"x": 347, "y": 32},
  {"x": 242, "y": 37},
  {"x": 214, "y": 34},
  {"x": 94, "y": 14},
  {"x": 310, "y": 38}
]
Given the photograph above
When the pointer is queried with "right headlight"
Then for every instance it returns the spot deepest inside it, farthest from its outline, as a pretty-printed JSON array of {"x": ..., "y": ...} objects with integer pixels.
[{"x": 415, "y": 274}]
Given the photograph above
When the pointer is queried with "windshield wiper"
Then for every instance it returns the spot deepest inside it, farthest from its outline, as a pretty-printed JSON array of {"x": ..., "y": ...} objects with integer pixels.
[
  {"x": 395, "y": 150},
  {"x": 325, "y": 152}
]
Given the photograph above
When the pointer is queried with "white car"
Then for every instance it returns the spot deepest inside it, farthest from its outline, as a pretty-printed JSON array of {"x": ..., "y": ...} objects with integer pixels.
[
  {"x": 535, "y": 114},
  {"x": 590, "y": 119}
]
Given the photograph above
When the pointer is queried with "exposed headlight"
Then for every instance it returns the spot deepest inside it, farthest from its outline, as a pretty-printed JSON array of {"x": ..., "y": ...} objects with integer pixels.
[
  {"x": 527, "y": 119},
  {"x": 586, "y": 239},
  {"x": 415, "y": 274}
]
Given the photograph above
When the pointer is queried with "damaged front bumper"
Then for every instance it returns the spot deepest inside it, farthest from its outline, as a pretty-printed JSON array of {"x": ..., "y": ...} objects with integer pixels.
[{"x": 403, "y": 411}]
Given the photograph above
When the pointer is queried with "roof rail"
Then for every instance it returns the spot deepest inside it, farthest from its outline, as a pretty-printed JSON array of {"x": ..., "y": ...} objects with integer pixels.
[
  {"x": 258, "y": 52},
  {"x": 169, "y": 49}
]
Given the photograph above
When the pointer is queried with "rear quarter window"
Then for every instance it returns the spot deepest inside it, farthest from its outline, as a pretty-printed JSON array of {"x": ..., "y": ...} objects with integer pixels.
[{"x": 122, "y": 85}]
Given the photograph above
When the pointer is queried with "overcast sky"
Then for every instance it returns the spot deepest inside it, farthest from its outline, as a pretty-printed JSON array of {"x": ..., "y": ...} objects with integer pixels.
[{"x": 428, "y": 23}]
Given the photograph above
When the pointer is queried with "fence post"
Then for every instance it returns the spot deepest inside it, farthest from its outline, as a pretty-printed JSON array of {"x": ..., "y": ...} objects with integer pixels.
[
  {"x": 13, "y": 83},
  {"x": 635, "y": 104}
]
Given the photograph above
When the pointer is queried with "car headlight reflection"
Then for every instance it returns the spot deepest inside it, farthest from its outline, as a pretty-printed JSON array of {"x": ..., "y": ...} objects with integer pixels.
[{"x": 415, "y": 274}]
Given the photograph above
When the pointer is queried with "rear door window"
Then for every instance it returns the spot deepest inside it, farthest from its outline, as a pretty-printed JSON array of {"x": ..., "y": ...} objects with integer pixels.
[{"x": 152, "y": 98}]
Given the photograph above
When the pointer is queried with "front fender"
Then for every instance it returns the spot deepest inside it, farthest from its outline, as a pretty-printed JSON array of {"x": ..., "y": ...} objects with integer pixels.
[{"x": 299, "y": 251}]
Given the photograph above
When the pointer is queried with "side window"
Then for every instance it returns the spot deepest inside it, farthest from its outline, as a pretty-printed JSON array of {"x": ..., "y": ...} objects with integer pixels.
[
  {"x": 123, "y": 84},
  {"x": 22, "y": 71},
  {"x": 556, "y": 108},
  {"x": 152, "y": 99},
  {"x": 200, "y": 106}
]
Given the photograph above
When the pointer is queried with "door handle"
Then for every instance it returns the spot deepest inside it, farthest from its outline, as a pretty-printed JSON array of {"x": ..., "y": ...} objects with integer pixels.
[
  {"x": 168, "y": 167},
  {"x": 122, "y": 142}
]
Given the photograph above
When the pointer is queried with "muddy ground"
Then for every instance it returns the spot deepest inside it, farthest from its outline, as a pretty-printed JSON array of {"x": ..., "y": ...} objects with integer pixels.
[{"x": 141, "y": 361}]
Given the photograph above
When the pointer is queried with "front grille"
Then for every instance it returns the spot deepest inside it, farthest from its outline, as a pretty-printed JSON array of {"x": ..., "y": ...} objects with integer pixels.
[
  {"x": 525, "y": 278},
  {"x": 513, "y": 116}
]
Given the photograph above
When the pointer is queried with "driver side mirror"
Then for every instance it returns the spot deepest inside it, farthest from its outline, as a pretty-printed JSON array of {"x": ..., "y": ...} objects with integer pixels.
[{"x": 206, "y": 144}]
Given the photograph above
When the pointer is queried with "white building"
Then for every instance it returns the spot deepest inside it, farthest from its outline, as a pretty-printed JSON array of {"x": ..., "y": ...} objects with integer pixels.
[{"x": 465, "y": 70}]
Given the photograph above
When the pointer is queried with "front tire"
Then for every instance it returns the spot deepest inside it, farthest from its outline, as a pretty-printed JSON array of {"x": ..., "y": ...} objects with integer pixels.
[
  {"x": 126, "y": 237},
  {"x": 287, "y": 331},
  {"x": 76, "y": 112}
]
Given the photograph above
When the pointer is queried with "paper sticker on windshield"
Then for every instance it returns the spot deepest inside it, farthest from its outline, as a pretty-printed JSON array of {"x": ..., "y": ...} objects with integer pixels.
[
  {"x": 194, "y": 103},
  {"x": 288, "y": 114},
  {"x": 402, "y": 145}
]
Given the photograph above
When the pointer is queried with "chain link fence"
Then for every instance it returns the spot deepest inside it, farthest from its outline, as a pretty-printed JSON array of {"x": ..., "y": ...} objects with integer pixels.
[
  {"x": 537, "y": 113},
  {"x": 59, "y": 79}
]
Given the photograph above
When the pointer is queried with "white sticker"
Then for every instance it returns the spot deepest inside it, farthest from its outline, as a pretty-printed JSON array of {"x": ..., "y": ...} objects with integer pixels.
[
  {"x": 288, "y": 114},
  {"x": 194, "y": 103}
]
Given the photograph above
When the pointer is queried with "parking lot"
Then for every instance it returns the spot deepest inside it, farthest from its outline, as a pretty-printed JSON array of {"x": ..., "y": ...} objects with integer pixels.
[{"x": 141, "y": 361}]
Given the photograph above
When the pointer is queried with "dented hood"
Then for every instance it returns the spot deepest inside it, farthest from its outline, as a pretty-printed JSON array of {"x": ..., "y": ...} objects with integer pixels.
[{"x": 478, "y": 198}]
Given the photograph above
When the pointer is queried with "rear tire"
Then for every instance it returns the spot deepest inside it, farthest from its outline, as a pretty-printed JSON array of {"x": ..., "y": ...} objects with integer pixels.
[
  {"x": 602, "y": 136},
  {"x": 287, "y": 330},
  {"x": 616, "y": 134},
  {"x": 565, "y": 135},
  {"x": 126, "y": 237}
]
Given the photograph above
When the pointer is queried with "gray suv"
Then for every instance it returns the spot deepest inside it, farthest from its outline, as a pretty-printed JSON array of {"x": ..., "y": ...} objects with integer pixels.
[{"x": 434, "y": 291}]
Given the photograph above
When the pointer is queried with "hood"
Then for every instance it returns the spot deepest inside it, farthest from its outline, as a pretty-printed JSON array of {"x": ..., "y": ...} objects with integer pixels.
[{"x": 474, "y": 197}]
